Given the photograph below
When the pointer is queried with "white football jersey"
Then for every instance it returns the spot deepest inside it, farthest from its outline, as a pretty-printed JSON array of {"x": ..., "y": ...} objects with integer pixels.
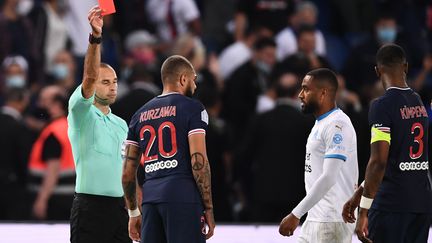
[{"x": 333, "y": 136}]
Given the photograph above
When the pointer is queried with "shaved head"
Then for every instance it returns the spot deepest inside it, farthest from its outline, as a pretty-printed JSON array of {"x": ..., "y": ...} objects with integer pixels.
[{"x": 173, "y": 67}]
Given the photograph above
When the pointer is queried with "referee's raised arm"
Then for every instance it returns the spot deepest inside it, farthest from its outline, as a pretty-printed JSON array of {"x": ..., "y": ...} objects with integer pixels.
[{"x": 93, "y": 57}]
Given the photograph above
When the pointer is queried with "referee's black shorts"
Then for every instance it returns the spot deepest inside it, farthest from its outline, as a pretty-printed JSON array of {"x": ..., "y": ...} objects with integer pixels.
[
  {"x": 397, "y": 227},
  {"x": 98, "y": 219}
]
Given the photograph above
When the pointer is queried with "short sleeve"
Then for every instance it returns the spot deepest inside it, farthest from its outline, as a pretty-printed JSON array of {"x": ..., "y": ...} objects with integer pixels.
[
  {"x": 198, "y": 120},
  {"x": 380, "y": 121},
  {"x": 78, "y": 107},
  {"x": 338, "y": 138},
  {"x": 51, "y": 148},
  {"x": 132, "y": 136},
  {"x": 188, "y": 9}
]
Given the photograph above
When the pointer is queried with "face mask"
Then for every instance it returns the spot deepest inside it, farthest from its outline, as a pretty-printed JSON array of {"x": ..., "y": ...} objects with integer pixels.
[
  {"x": 386, "y": 34},
  {"x": 60, "y": 71},
  {"x": 24, "y": 7},
  {"x": 15, "y": 81},
  {"x": 263, "y": 67}
]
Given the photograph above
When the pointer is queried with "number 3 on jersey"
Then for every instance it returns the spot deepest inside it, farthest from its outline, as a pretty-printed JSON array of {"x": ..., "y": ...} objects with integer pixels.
[
  {"x": 417, "y": 139},
  {"x": 152, "y": 132}
]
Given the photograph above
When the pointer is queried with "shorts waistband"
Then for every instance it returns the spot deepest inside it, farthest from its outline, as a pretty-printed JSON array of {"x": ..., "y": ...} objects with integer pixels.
[{"x": 97, "y": 197}]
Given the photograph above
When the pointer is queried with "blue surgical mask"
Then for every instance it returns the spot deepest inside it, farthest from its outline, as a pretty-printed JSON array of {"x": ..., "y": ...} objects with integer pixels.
[
  {"x": 386, "y": 34},
  {"x": 60, "y": 71},
  {"x": 15, "y": 81},
  {"x": 263, "y": 67}
]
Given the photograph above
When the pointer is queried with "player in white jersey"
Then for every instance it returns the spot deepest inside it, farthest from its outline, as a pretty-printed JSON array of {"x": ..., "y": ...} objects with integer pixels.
[{"x": 331, "y": 169}]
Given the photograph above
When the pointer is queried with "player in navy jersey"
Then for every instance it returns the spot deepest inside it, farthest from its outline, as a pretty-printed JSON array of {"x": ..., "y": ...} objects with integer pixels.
[
  {"x": 167, "y": 136},
  {"x": 396, "y": 200}
]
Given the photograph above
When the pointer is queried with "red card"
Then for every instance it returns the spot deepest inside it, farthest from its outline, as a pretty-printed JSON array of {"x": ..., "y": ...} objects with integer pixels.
[{"x": 107, "y": 7}]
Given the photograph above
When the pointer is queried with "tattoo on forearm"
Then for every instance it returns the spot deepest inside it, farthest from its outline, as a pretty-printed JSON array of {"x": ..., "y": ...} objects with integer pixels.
[
  {"x": 130, "y": 193},
  {"x": 129, "y": 176},
  {"x": 197, "y": 161},
  {"x": 202, "y": 175}
]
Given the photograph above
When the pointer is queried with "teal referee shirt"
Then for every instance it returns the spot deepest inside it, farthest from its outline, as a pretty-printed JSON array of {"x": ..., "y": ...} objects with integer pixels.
[{"x": 96, "y": 141}]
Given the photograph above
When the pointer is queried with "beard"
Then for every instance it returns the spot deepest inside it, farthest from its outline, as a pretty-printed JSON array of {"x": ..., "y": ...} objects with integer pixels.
[
  {"x": 189, "y": 91},
  {"x": 309, "y": 108},
  {"x": 104, "y": 102}
]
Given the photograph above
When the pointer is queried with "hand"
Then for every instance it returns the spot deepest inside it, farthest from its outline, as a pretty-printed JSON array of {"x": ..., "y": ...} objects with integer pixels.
[
  {"x": 362, "y": 226},
  {"x": 209, "y": 219},
  {"x": 288, "y": 225},
  {"x": 96, "y": 21},
  {"x": 135, "y": 228},
  {"x": 349, "y": 207},
  {"x": 40, "y": 209}
]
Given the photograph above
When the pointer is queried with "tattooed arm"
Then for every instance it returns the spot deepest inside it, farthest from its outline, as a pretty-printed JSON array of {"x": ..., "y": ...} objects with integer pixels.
[
  {"x": 202, "y": 175},
  {"x": 129, "y": 181}
]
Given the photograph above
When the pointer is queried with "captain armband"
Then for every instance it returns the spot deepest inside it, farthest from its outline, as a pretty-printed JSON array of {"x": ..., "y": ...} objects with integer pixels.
[{"x": 380, "y": 134}]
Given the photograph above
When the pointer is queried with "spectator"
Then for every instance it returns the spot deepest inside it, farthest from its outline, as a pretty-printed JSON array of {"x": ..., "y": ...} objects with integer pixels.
[
  {"x": 17, "y": 34},
  {"x": 237, "y": 54},
  {"x": 279, "y": 76},
  {"x": 270, "y": 14},
  {"x": 305, "y": 59},
  {"x": 50, "y": 31},
  {"x": 173, "y": 18},
  {"x": 15, "y": 72},
  {"x": 140, "y": 49},
  {"x": 15, "y": 145},
  {"x": 51, "y": 164},
  {"x": 142, "y": 90},
  {"x": 359, "y": 68},
  {"x": 62, "y": 71},
  {"x": 246, "y": 84},
  {"x": 306, "y": 14},
  {"x": 267, "y": 153}
]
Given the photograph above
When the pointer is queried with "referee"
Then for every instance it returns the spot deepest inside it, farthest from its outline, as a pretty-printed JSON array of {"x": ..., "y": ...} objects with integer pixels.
[{"x": 98, "y": 213}]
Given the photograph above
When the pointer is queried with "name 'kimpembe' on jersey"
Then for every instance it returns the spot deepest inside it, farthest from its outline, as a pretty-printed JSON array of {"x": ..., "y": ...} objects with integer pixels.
[
  {"x": 332, "y": 136},
  {"x": 161, "y": 128}
]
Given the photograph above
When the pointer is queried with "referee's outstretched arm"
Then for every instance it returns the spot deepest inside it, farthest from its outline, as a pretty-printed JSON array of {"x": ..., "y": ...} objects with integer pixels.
[{"x": 93, "y": 56}]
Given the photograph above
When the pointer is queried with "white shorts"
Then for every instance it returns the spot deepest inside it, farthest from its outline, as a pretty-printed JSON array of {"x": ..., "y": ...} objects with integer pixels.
[{"x": 320, "y": 232}]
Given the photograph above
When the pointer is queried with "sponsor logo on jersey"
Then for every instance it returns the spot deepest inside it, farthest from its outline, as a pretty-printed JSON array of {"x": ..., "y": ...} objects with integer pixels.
[
  {"x": 337, "y": 138},
  {"x": 161, "y": 165},
  {"x": 407, "y": 166},
  {"x": 204, "y": 117}
]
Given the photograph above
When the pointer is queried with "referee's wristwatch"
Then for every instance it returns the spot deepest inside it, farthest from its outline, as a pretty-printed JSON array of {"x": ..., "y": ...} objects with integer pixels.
[{"x": 94, "y": 40}]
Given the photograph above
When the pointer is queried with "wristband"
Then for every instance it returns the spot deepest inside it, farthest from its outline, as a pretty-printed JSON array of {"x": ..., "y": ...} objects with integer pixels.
[
  {"x": 365, "y": 202},
  {"x": 94, "y": 40},
  {"x": 134, "y": 213}
]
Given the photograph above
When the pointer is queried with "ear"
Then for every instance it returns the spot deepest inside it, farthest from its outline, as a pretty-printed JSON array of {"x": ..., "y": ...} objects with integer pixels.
[
  {"x": 406, "y": 68},
  {"x": 183, "y": 80},
  {"x": 377, "y": 71}
]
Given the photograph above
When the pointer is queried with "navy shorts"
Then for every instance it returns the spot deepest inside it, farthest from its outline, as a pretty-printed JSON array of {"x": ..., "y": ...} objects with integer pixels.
[
  {"x": 398, "y": 227},
  {"x": 172, "y": 223}
]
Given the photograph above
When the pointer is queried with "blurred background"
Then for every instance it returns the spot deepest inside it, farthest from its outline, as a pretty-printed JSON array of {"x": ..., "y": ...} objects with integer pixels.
[{"x": 250, "y": 57}]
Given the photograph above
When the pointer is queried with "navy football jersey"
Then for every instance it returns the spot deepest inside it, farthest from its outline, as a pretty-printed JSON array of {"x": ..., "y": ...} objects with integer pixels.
[
  {"x": 406, "y": 186},
  {"x": 161, "y": 128}
]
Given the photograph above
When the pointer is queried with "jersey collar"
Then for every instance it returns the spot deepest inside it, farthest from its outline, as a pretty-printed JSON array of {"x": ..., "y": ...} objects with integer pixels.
[
  {"x": 326, "y": 114},
  {"x": 399, "y": 88}
]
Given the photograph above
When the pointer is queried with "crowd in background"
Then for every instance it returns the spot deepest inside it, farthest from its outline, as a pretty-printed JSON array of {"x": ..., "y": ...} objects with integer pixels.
[{"x": 250, "y": 57}]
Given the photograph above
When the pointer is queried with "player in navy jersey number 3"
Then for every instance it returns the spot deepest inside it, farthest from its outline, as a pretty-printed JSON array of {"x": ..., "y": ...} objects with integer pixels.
[
  {"x": 167, "y": 136},
  {"x": 396, "y": 200}
]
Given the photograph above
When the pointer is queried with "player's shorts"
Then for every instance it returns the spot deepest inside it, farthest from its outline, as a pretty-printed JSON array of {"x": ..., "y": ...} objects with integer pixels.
[
  {"x": 398, "y": 227},
  {"x": 324, "y": 232},
  {"x": 172, "y": 223}
]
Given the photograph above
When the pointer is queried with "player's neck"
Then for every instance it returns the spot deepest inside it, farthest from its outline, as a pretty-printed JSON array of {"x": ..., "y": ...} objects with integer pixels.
[
  {"x": 169, "y": 89},
  {"x": 324, "y": 110},
  {"x": 393, "y": 81}
]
